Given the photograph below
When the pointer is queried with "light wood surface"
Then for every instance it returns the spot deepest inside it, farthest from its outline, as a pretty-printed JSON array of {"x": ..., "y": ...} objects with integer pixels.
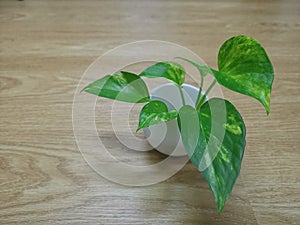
[{"x": 45, "y": 46}]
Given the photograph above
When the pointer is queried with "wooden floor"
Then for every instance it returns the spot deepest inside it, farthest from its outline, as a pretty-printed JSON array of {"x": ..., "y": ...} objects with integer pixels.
[{"x": 45, "y": 46}]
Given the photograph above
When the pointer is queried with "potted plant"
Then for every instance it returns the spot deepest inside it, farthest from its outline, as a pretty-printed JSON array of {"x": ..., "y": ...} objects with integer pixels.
[{"x": 212, "y": 130}]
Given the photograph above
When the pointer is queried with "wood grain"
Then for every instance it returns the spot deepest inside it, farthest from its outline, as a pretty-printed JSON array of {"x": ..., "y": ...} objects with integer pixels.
[{"x": 45, "y": 48}]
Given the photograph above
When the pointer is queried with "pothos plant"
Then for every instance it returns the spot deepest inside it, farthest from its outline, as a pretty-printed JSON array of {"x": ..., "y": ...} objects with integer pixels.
[{"x": 243, "y": 67}]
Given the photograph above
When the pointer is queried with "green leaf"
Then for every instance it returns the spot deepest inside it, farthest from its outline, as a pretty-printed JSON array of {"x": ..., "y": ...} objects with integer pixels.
[
  {"x": 122, "y": 86},
  {"x": 155, "y": 112},
  {"x": 189, "y": 126},
  {"x": 215, "y": 142},
  {"x": 244, "y": 67},
  {"x": 169, "y": 70},
  {"x": 203, "y": 69}
]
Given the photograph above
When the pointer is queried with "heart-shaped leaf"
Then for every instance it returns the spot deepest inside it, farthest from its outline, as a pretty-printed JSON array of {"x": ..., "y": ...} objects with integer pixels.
[
  {"x": 169, "y": 70},
  {"x": 155, "y": 112},
  {"x": 122, "y": 86},
  {"x": 215, "y": 142},
  {"x": 244, "y": 67}
]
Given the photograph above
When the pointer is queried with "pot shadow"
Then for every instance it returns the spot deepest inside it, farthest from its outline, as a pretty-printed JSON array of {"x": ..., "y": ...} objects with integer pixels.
[{"x": 185, "y": 196}]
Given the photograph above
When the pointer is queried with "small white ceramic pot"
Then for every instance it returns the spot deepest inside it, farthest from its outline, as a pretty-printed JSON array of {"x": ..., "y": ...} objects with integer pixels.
[{"x": 165, "y": 137}]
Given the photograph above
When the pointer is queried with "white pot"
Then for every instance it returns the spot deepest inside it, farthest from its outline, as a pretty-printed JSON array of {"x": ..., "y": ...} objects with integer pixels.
[{"x": 165, "y": 137}]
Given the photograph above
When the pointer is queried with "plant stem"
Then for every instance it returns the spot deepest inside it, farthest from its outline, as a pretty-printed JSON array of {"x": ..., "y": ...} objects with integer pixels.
[
  {"x": 200, "y": 91},
  {"x": 181, "y": 94},
  {"x": 202, "y": 99},
  {"x": 201, "y": 82},
  {"x": 198, "y": 97}
]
